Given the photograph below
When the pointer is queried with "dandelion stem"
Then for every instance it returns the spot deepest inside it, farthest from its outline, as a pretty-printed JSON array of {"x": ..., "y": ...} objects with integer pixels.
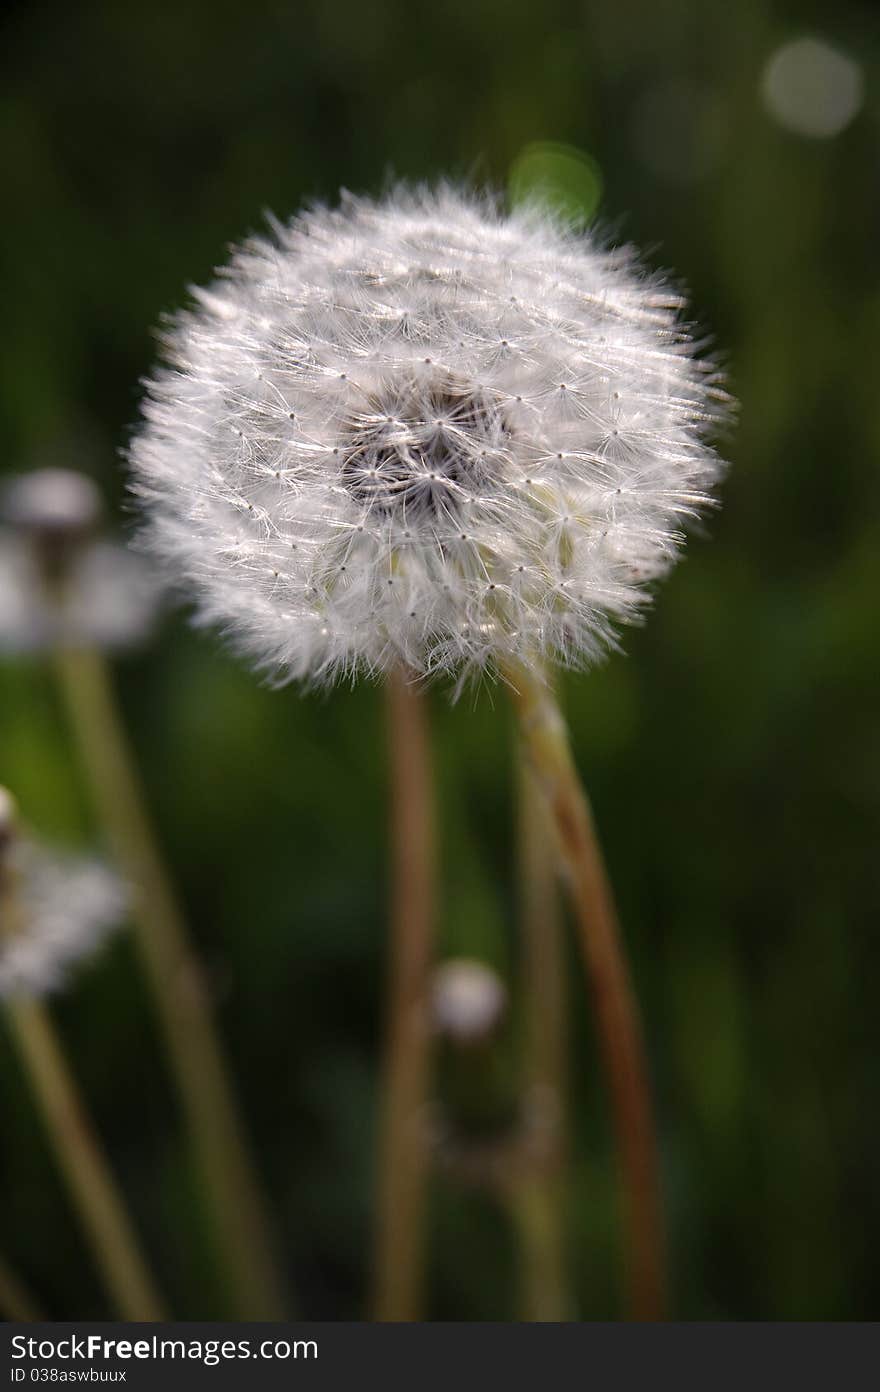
[
  {"x": 16, "y": 1301},
  {"x": 537, "y": 1201},
  {"x": 83, "y": 1163},
  {"x": 179, "y": 990},
  {"x": 403, "y": 1158},
  {"x": 535, "y": 1209},
  {"x": 545, "y": 739}
]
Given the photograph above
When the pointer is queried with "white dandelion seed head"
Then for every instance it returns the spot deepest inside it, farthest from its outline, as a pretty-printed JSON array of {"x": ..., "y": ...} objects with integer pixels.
[
  {"x": 52, "y": 501},
  {"x": 58, "y": 910},
  {"x": 422, "y": 431},
  {"x": 468, "y": 999},
  {"x": 60, "y": 583}
]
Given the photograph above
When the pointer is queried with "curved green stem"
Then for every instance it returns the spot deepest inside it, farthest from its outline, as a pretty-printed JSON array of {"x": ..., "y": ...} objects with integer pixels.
[
  {"x": 83, "y": 1164},
  {"x": 178, "y": 987},
  {"x": 16, "y": 1301}
]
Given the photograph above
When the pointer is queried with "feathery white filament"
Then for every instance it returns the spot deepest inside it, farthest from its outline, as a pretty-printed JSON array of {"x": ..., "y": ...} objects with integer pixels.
[
  {"x": 422, "y": 431},
  {"x": 64, "y": 908}
]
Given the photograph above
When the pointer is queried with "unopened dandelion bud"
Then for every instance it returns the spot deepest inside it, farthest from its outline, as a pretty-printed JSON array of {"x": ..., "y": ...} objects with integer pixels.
[
  {"x": 425, "y": 432},
  {"x": 468, "y": 1000},
  {"x": 475, "y": 1073}
]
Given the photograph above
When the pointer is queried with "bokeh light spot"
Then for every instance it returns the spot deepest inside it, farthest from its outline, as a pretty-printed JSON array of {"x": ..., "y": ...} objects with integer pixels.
[
  {"x": 560, "y": 176},
  {"x": 812, "y": 88}
]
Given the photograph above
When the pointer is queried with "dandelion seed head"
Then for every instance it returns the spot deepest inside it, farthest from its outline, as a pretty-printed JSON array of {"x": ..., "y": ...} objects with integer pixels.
[
  {"x": 56, "y": 502},
  {"x": 423, "y": 431},
  {"x": 58, "y": 909},
  {"x": 60, "y": 581}
]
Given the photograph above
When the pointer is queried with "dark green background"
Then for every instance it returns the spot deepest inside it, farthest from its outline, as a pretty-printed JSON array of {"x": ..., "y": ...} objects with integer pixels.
[{"x": 733, "y": 755}]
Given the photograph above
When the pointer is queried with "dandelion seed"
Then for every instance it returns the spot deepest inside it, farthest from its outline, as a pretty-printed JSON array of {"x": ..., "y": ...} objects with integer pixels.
[{"x": 365, "y": 451}]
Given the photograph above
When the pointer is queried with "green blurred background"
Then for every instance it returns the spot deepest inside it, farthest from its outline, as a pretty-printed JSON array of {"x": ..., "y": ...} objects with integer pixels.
[{"x": 733, "y": 754}]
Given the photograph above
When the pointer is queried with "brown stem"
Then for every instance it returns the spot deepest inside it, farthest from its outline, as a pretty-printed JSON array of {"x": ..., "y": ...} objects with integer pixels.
[
  {"x": 179, "y": 990},
  {"x": 403, "y": 1159},
  {"x": 545, "y": 739},
  {"x": 84, "y": 1165},
  {"x": 539, "y": 1193}
]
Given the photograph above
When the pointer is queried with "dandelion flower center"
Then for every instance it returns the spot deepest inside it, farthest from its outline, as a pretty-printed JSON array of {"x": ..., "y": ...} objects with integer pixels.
[{"x": 420, "y": 451}]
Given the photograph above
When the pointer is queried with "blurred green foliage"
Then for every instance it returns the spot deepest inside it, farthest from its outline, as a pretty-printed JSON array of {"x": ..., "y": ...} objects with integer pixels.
[{"x": 733, "y": 754}]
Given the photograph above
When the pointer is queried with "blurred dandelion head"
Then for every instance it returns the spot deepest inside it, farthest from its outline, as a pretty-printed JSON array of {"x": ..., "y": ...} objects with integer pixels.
[
  {"x": 421, "y": 431},
  {"x": 468, "y": 1000},
  {"x": 57, "y": 910},
  {"x": 60, "y": 582},
  {"x": 57, "y": 508}
]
